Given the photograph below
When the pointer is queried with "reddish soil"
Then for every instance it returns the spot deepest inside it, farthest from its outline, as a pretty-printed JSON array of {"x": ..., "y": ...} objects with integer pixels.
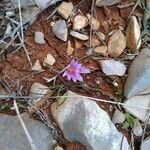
[{"x": 17, "y": 67}]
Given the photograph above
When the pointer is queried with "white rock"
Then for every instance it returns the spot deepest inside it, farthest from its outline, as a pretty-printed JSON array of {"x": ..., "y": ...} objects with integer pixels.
[
  {"x": 82, "y": 120},
  {"x": 118, "y": 117},
  {"x": 116, "y": 44},
  {"x": 112, "y": 67},
  {"x": 65, "y": 9},
  {"x": 39, "y": 93},
  {"x": 101, "y": 36},
  {"x": 10, "y": 14},
  {"x": 138, "y": 131},
  {"x": 146, "y": 144},
  {"x": 136, "y": 106},
  {"x": 95, "y": 23},
  {"x": 58, "y": 148},
  {"x": 79, "y": 35},
  {"x": 37, "y": 66},
  {"x": 60, "y": 30},
  {"x": 49, "y": 60},
  {"x": 39, "y": 37},
  {"x": 133, "y": 35},
  {"x": 79, "y": 22}
]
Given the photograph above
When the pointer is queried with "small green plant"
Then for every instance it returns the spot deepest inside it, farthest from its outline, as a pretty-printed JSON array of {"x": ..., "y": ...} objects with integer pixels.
[
  {"x": 4, "y": 106},
  {"x": 130, "y": 121}
]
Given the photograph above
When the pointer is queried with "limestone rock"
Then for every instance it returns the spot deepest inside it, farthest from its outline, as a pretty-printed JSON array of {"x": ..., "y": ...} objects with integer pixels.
[
  {"x": 116, "y": 44},
  {"x": 95, "y": 23},
  {"x": 39, "y": 94},
  {"x": 79, "y": 22},
  {"x": 39, "y": 37},
  {"x": 65, "y": 9},
  {"x": 138, "y": 131},
  {"x": 69, "y": 48},
  {"x": 82, "y": 120},
  {"x": 37, "y": 66},
  {"x": 58, "y": 148},
  {"x": 133, "y": 35},
  {"x": 49, "y": 60},
  {"x": 146, "y": 144},
  {"x": 101, "y": 36},
  {"x": 101, "y": 3},
  {"x": 136, "y": 106},
  {"x": 79, "y": 35},
  {"x": 60, "y": 30},
  {"x": 13, "y": 136},
  {"x": 138, "y": 77},
  {"x": 102, "y": 50},
  {"x": 112, "y": 67},
  {"x": 118, "y": 117}
]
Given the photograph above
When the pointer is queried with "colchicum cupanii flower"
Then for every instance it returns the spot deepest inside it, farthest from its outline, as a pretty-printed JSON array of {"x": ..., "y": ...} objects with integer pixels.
[{"x": 74, "y": 70}]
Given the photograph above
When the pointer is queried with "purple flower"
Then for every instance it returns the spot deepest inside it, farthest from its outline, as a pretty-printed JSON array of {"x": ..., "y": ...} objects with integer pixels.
[{"x": 74, "y": 70}]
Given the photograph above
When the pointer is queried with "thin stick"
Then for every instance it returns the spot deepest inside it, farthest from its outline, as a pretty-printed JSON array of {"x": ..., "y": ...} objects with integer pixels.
[{"x": 24, "y": 127}]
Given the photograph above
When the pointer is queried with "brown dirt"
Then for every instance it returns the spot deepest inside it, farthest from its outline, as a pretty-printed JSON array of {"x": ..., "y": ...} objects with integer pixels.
[{"x": 17, "y": 67}]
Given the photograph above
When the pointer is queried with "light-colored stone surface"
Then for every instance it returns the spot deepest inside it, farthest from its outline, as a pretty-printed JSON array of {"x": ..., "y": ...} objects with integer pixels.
[
  {"x": 37, "y": 66},
  {"x": 58, "y": 148},
  {"x": 94, "y": 42},
  {"x": 79, "y": 22},
  {"x": 12, "y": 136},
  {"x": 138, "y": 77},
  {"x": 101, "y": 3},
  {"x": 65, "y": 9},
  {"x": 138, "y": 131},
  {"x": 79, "y": 35},
  {"x": 102, "y": 50},
  {"x": 137, "y": 106},
  {"x": 101, "y": 36},
  {"x": 146, "y": 144},
  {"x": 82, "y": 120},
  {"x": 49, "y": 60},
  {"x": 133, "y": 35},
  {"x": 39, "y": 93},
  {"x": 94, "y": 22},
  {"x": 69, "y": 48},
  {"x": 113, "y": 67},
  {"x": 116, "y": 44},
  {"x": 39, "y": 37},
  {"x": 60, "y": 30},
  {"x": 118, "y": 117}
]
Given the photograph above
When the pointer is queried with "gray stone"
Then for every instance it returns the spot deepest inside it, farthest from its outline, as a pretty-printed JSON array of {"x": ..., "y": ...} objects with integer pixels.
[
  {"x": 39, "y": 37},
  {"x": 101, "y": 3},
  {"x": 24, "y": 3},
  {"x": 146, "y": 144},
  {"x": 12, "y": 136},
  {"x": 137, "y": 106},
  {"x": 118, "y": 117},
  {"x": 60, "y": 30},
  {"x": 82, "y": 120},
  {"x": 137, "y": 130},
  {"x": 79, "y": 35},
  {"x": 139, "y": 74},
  {"x": 112, "y": 67}
]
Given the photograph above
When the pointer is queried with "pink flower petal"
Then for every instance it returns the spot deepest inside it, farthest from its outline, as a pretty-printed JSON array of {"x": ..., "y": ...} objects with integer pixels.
[
  {"x": 65, "y": 73},
  {"x": 84, "y": 70}
]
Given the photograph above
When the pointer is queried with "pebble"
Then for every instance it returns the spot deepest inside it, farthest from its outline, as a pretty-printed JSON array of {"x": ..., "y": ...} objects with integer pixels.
[
  {"x": 118, "y": 117},
  {"x": 37, "y": 66},
  {"x": 137, "y": 130},
  {"x": 49, "y": 60},
  {"x": 39, "y": 93},
  {"x": 113, "y": 67},
  {"x": 60, "y": 30},
  {"x": 94, "y": 42},
  {"x": 65, "y": 9},
  {"x": 69, "y": 48},
  {"x": 102, "y": 50},
  {"x": 116, "y": 44},
  {"x": 101, "y": 3},
  {"x": 39, "y": 37},
  {"x": 133, "y": 35},
  {"x": 101, "y": 36},
  {"x": 79, "y": 35},
  {"x": 10, "y": 14},
  {"x": 135, "y": 105},
  {"x": 95, "y": 23},
  {"x": 58, "y": 148},
  {"x": 79, "y": 22},
  {"x": 78, "y": 43},
  {"x": 146, "y": 144}
]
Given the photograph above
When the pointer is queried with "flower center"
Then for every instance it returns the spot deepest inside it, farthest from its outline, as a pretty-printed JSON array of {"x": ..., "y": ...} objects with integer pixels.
[{"x": 70, "y": 70}]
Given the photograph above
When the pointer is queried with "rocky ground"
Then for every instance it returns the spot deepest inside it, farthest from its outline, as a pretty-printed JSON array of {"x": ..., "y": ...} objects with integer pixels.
[{"x": 74, "y": 75}]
